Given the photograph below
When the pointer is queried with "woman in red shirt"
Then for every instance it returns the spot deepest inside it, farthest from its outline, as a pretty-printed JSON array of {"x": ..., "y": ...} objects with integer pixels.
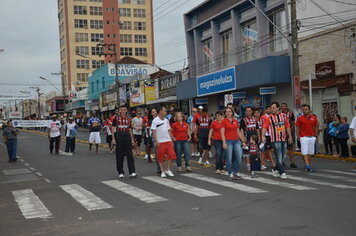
[
  {"x": 181, "y": 138},
  {"x": 230, "y": 136},
  {"x": 215, "y": 138}
]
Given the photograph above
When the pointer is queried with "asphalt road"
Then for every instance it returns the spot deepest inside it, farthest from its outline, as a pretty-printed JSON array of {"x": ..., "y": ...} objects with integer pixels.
[{"x": 45, "y": 194}]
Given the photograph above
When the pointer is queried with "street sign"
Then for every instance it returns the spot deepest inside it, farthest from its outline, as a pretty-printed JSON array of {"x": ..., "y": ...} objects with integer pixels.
[
  {"x": 229, "y": 98},
  {"x": 201, "y": 101},
  {"x": 239, "y": 95},
  {"x": 268, "y": 90}
]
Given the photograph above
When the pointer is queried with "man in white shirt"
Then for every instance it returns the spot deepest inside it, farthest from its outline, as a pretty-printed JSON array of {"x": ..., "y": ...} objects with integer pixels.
[
  {"x": 54, "y": 134},
  {"x": 163, "y": 137},
  {"x": 137, "y": 132},
  {"x": 71, "y": 133}
]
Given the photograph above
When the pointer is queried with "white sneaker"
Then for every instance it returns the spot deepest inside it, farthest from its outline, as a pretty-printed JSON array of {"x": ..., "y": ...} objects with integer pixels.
[
  {"x": 180, "y": 169},
  {"x": 146, "y": 157},
  {"x": 207, "y": 163},
  {"x": 133, "y": 175},
  {"x": 152, "y": 157},
  {"x": 248, "y": 167},
  {"x": 163, "y": 175},
  {"x": 263, "y": 167},
  {"x": 283, "y": 176},
  {"x": 275, "y": 173},
  {"x": 200, "y": 160},
  {"x": 121, "y": 176},
  {"x": 197, "y": 154},
  {"x": 169, "y": 173}
]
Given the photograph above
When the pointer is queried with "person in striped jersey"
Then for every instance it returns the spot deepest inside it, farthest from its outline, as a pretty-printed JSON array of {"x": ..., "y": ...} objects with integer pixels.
[
  {"x": 290, "y": 116},
  {"x": 278, "y": 127}
]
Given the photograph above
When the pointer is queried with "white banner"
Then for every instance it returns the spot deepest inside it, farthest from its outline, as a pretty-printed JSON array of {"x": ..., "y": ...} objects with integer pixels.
[
  {"x": 14, "y": 97},
  {"x": 31, "y": 123}
]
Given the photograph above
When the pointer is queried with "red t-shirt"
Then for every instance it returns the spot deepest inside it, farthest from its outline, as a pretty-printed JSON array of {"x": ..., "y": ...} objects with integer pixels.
[
  {"x": 179, "y": 130},
  {"x": 307, "y": 125},
  {"x": 144, "y": 121},
  {"x": 196, "y": 117},
  {"x": 230, "y": 128},
  {"x": 216, "y": 126}
]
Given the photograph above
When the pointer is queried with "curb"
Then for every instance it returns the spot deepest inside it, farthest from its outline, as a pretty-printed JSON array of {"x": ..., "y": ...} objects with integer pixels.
[{"x": 347, "y": 159}]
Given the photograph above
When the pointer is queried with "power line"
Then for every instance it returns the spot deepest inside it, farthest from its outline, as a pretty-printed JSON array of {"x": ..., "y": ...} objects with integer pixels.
[{"x": 341, "y": 2}]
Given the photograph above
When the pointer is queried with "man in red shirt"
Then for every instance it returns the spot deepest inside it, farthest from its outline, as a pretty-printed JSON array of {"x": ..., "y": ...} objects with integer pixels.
[
  {"x": 278, "y": 127},
  {"x": 307, "y": 133}
]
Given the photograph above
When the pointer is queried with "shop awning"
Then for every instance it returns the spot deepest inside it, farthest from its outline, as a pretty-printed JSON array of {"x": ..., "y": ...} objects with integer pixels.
[{"x": 340, "y": 81}]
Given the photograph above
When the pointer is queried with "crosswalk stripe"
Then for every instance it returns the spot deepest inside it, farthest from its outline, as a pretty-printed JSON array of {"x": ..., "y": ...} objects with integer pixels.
[
  {"x": 85, "y": 198},
  {"x": 233, "y": 185},
  {"x": 135, "y": 192},
  {"x": 313, "y": 181},
  {"x": 339, "y": 172},
  {"x": 182, "y": 187},
  {"x": 335, "y": 177},
  {"x": 30, "y": 205}
]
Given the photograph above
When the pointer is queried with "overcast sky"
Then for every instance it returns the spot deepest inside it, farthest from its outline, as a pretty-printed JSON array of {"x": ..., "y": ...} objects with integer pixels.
[{"x": 29, "y": 37}]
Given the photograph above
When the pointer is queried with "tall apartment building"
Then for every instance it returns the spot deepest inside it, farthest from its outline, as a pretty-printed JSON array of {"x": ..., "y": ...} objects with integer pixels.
[{"x": 83, "y": 24}]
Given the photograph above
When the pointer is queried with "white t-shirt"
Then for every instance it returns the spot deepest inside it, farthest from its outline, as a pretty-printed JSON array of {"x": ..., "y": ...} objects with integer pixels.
[
  {"x": 69, "y": 127},
  {"x": 137, "y": 124},
  {"x": 162, "y": 127},
  {"x": 353, "y": 125},
  {"x": 54, "y": 127}
]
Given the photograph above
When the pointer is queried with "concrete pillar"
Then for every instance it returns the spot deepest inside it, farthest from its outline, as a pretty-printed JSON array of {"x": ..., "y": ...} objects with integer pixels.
[
  {"x": 216, "y": 47},
  {"x": 262, "y": 26},
  {"x": 236, "y": 36}
]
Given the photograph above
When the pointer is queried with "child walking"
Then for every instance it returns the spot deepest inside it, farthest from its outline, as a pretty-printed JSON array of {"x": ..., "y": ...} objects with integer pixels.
[{"x": 255, "y": 160}]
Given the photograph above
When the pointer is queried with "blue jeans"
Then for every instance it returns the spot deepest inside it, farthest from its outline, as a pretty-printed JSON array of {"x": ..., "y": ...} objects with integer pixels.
[
  {"x": 182, "y": 146},
  {"x": 11, "y": 145},
  {"x": 280, "y": 154},
  {"x": 233, "y": 156},
  {"x": 219, "y": 154}
]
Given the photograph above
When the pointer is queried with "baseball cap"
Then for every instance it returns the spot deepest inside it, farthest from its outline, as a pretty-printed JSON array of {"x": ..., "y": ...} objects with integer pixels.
[{"x": 200, "y": 107}]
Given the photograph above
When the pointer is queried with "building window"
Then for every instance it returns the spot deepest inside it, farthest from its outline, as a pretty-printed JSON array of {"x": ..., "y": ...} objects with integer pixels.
[
  {"x": 81, "y": 37},
  {"x": 97, "y": 37},
  {"x": 139, "y": 13},
  {"x": 97, "y": 51},
  {"x": 82, "y": 50},
  {"x": 124, "y": 1},
  {"x": 82, "y": 77},
  {"x": 249, "y": 41},
  {"x": 103, "y": 82},
  {"x": 125, "y": 12},
  {"x": 92, "y": 87},
  {"x": 80, "y": 10},
  {"x": 97, "y": 85},
  {"x": 96, "y": 11},
  {"x": 95, "y": 64},
  {"x": 208, "y": 56},
  {"x": 126, "y": 51},
  {"x": 80, "y": 23},
  {"x": 278, "y": 42},
  {"x": 140, "y": 38},
  {"x": 96, "y": 24},
  {"x": 125, "y": 25},
  {"x": 139, "y": 2},
  {"x": 95, "y": 0},
  {"x": 140, "y": 25},
  {"x": 125, "y": 38},
  {"x": 226, "y": 41},
  {"x": 82, "y": 64},
  {"x": 141, "y": 52}
]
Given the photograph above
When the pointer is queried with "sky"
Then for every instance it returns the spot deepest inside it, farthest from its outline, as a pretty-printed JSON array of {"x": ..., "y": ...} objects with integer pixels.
[{"x": 29, "y": 37}]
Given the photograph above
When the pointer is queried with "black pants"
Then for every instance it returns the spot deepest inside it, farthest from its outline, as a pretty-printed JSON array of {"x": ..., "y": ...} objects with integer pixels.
[
  {"x": 344, "y": 147},
  {"x": 57, "y": 141},
  {"x": 124, "y": 148},
  {"x": 328, "y": 144},
  {"x": 337, "y": 145},
  {"x": 70, "y": 144}
]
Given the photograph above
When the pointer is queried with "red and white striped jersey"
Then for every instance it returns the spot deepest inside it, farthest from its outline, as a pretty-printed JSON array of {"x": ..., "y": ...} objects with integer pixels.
[
  {"x": 277, "y": 125},
  {"x": 249, "y": 124},
  {"x": 122, "y": 124}
]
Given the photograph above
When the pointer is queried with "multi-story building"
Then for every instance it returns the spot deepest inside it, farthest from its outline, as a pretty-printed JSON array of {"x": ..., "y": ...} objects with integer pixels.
[{"x": 83, "y": 24}]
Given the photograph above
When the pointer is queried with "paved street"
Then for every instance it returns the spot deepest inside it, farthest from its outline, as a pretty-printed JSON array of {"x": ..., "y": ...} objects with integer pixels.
[{"x": 45, "y": 194}]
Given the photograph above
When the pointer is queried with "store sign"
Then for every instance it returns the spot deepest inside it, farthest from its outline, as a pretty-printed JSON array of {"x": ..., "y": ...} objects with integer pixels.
[
  {"x": 201, "y": 101},
  {"x": 268, "y": 90},
  {"x": 150, "y": 90},
  {"x": 167, "y": 85},
  {"x": 229, "y": 98},
  {"x": 15, "y": 115},
  {"x": 108, "y": 98},
  {"x": 251, "y": 101},
  {"x": 239, "y": 95},
  {"x": 325, "y": 69},
  {"x": 137, "y": 93},
  {"x": 14, "y": 97},
  {"x": 125, "y": 70},
  {"x": 217, "y": 82}
]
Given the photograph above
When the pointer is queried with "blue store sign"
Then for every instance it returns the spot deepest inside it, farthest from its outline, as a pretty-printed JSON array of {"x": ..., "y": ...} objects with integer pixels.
[
  {"x": 239, "y": 95},
  {"x": 268, "y": 90},
  {"x": 217, "y": 82},
  {"x": 201, "y": 101}
]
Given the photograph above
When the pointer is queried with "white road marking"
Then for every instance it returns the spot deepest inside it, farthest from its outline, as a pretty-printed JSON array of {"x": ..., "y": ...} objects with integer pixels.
[
  {"x": 47, "y": 180},
  {"x": 22, "y": 160},
  {"x": 334, "y": 177},
  {"x": 26, "y": 164},
  {"x": 31, "y": 168},
  {"x": 135, "y": 192},
  {"x": 85, "y": 198},
  {"x": 182, "y": 187},
  {"x": 339, "y": 172},
  {"x": 38, "y": 173},
  {"x": 226, "y": 183},
  {"x": 20, "y": 171},
  {"x": 313, "y": 181},
  {"x": 30, "y": 205}
]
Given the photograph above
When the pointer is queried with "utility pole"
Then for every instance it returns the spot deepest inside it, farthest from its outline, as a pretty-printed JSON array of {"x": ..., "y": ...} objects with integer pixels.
[
  {"x": 295, "y": 45},
  {"x": 38, "y": 101}
]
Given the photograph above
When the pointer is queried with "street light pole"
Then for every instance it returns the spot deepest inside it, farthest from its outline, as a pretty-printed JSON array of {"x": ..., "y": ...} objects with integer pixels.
[{"x": 38, "y": 100}]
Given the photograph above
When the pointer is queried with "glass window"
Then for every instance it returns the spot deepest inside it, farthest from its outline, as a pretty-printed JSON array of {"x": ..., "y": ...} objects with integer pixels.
[
  {"x": 82, "y": 50},
  {"x": 82, "y": 64},
  {"x": 97, "y": 37},
  {"x": 81, "y": 37},
  {"x": 140, "y": 38},
  {"x": 278, "y": 42},
  {"x": 141, "y": 52},
  {"x": 96, "y": 11},
  {"x": 139, "y": 13},
  {"x": 126, "y": 51},
  {"x": 82, "y": 77},
  {"x": 140, "y": 25},
  {"x": 124, "y": 1},
  {"x": 125, "y": 25},
  {"x": 249, "y": 41},
  {"x": 208, "y": 56},
  {"x": 97, "y": 51},
  {"x": 139, "y": 2},
  {"x": 95, "y": 0},
  {"x": 78, "y": 23},
  {"x": 96, "y": 24},
  {"x": 95, "y": 64},
  {"x": 125, "y": 38},
  {"x": 80, "y": 10},
  {"x": 226, "y": 43},
  {"x": 125, "y": 12}
]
